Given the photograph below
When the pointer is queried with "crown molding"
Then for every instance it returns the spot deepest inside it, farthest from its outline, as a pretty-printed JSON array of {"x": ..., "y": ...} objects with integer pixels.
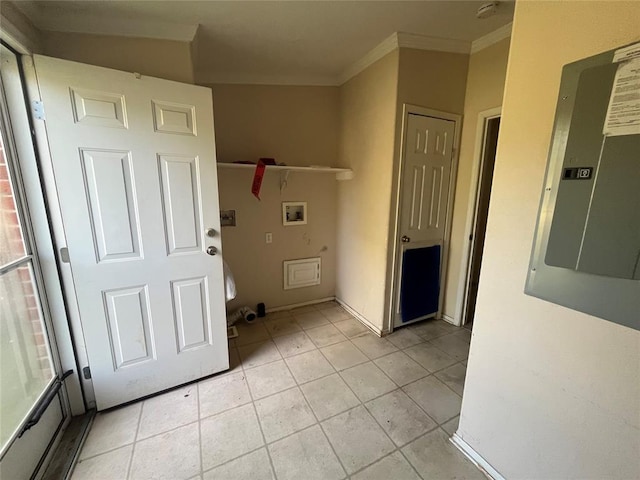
[
  {"x": 421, "y": 42},
  {"x": 491, "y": 38},
  {"x": 405, "y": 40},
  {"x": 209, "y": 78},
  {"x": 388, "y": 45}
]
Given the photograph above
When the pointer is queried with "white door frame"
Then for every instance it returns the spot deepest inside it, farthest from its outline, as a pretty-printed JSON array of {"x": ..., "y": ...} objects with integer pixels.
[
  {"x": 42, "y": 216},
  {"x": 393, "y": 276},
  {"x": 29, "y": 193},
  {"x": 43, "y": 241},
  {"x": 84, "y": 396},
  {"x": 472, "y": 210}
]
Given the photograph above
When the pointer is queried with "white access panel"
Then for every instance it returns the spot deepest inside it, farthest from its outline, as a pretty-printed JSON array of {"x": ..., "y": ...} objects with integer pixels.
[{"x": 301, "y": 273}]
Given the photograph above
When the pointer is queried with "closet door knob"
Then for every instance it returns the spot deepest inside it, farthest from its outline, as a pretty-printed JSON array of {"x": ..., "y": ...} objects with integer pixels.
[
  {"x": 211, "y": 250},
  {"x": 405, "y": 239}
]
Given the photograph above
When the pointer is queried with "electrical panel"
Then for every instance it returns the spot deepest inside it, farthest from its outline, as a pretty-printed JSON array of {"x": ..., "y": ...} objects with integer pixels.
[{"x": 586, "y": 253}]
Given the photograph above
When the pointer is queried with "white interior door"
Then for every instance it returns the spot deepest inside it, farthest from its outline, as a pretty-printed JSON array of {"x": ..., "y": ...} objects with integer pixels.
[
  {"x": 426, "y": 174},
  {"x": 134, "y": 165}
]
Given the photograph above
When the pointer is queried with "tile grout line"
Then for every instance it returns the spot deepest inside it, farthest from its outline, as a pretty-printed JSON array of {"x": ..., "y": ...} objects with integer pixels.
[
  {"x": 361, "y": 404},
  {"x": 396, "y": 449},
  {"x": 200, "y": 453},
  {"x": 135, "y": 440},
  {"x": 298, "y": 385},
  {"x": 306, "y": 400},
  {"x": 255, "y": 412},
  {"x": 226, "y": 462},
  {"x": 335, "y": 371}
]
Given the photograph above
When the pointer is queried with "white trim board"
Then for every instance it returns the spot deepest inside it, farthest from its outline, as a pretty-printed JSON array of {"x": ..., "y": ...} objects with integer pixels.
[
  {"x": 361, "y": 319},
  {"x": 59, "y": 237},
  {"x": 449, "y": 319},
  {"x": 388, "y": 45},
  {"x": 404, "y": 40},
  {"x": 476, "y": 458},
  {"x": 472, "y": 205},
  {"x": 301, "y": 304},
  {"x": 491, "y": 38},
  {"x": 422, "y": 42},
  {"x": 350, "y": 310}
]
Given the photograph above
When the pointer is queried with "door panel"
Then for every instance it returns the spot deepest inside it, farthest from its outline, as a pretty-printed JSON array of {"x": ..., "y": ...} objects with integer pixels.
[
  {"x": 129, "y": 325},
  {"x": 134, "y": 163},
  {"x": 191, "y": 307},
  {"x": 435, "y": 206},
  {"x": 113, "y": 208},
  {"x": 180, "y": 187},
  {"x": 174, "y": 118},
  {"x": 426, "y": 170},
  {"x": 99, "y": 109}
]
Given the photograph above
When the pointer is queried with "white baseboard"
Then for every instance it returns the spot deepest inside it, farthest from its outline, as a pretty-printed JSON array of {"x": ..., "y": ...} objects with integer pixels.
[
  {"x": 475, "y": 457},
  {"x": 449, "y": 319},
  {"x": 302, "y": 304},
  {"x": 362, "y": 320}
]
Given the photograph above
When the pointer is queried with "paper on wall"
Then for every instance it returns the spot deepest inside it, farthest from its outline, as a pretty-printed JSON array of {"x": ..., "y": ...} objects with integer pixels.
[
  {"x": 623, "y": 113},
  {"x": 627, "y": 53}
]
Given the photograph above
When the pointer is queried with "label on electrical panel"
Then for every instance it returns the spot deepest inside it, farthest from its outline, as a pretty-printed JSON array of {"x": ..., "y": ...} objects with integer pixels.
[
  {"x": 623, "y": 113},
  {"x": 627, "y": 53}
]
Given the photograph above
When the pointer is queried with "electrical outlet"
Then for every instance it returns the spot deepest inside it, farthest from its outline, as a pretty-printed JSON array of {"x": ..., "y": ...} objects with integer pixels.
[{"x": 268, "y": 237}]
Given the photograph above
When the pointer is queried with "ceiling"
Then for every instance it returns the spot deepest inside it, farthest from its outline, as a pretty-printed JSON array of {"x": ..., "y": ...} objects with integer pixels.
[{"x": 303, "y": 42}]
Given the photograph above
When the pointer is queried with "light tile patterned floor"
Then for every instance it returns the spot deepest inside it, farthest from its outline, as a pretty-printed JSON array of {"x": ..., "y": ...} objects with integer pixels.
[{"x": 311, "y": 394}]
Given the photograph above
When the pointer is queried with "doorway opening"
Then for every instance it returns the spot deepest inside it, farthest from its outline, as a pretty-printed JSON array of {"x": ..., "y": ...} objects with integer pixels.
[{"x": 489, "y": 142}]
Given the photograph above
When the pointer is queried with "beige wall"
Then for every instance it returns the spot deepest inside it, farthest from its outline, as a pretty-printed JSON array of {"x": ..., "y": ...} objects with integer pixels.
[
  {"x": 485, "y": 87},
  {"x": 550, "y": 392},
  {"x": 167, "y": 59},
  {"x": 367, "y": 131},
  {"x": 298, "y": 126},
  {"x": 293, "y": 124},
  {"x": 433, "y": 80},
  {"x": 371, "y": 129},
  {"x": 257, "y": 266}
]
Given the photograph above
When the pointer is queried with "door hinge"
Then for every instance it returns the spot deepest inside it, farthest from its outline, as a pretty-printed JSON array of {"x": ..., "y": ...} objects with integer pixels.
[
  {"x": 86, "y": 373},
  {"x": 38, "y": 109},
  {"x": 64, "y": 255}
]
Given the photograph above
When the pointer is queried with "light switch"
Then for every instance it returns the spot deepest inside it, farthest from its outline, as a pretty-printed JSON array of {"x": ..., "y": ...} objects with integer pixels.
[{"x": 268, "y": 237}]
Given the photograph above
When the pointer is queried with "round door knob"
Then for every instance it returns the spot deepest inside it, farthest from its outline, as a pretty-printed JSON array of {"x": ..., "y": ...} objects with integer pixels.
[
  {"x": 210, "y": 232},
  {"x": 211, "y": 250},
  {"x": 405, "y": 239}
]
